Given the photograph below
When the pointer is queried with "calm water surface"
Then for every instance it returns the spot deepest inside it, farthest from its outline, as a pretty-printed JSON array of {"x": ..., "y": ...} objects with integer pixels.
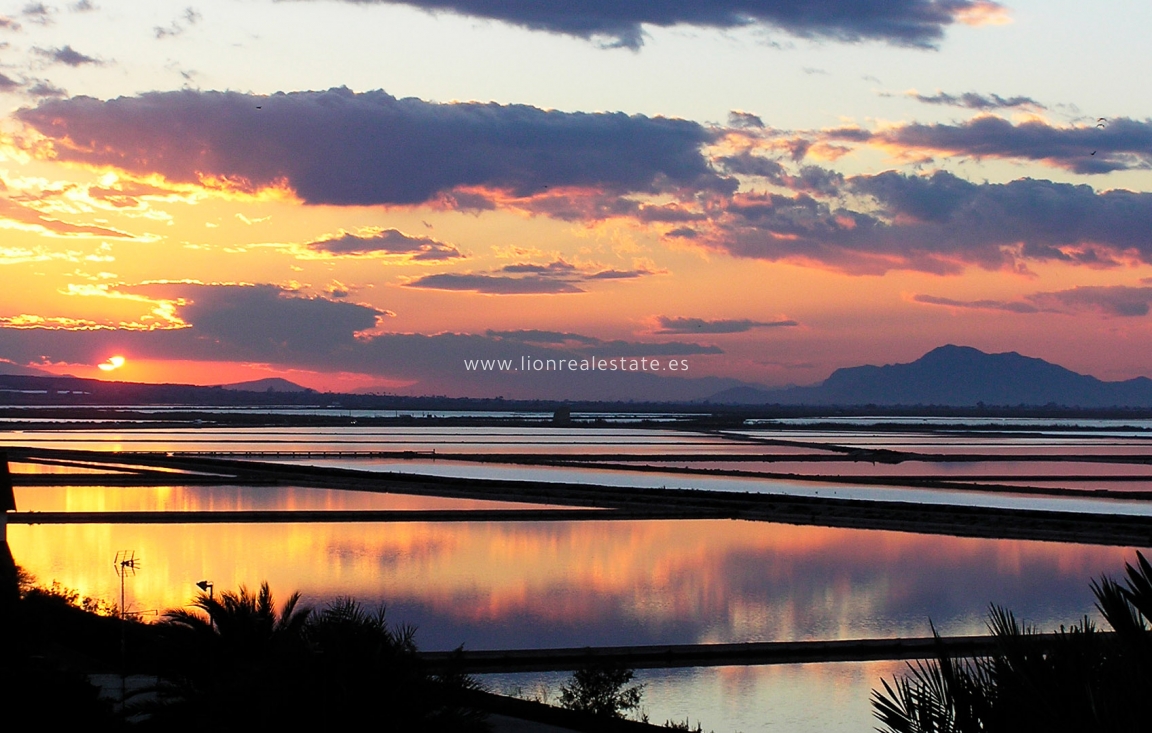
[
  {"x": 494, "y": 585},
  {"x": 499, "y": 585},
  {"x": 542, "y": 440},
  {"x": 937, "y": 469},
  {"x": 231, "y": 498},
  {"x": 811, "y": 698},
  {"x": 623, "y": 477}
]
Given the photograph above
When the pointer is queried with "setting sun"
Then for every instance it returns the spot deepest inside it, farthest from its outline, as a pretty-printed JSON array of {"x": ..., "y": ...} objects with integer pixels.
[{"x": 114, "y": 362}]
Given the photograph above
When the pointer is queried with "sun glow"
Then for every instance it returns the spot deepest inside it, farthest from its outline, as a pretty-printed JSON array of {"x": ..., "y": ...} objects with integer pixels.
[{"x": 114, "y": 362}]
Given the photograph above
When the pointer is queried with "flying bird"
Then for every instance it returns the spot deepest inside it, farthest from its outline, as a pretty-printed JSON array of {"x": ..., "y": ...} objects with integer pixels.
[{"x": 1101, "y": 123}]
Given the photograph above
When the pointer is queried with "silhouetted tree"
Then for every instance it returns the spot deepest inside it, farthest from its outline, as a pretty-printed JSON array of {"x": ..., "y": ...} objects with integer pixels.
[
  {"x": 245, "y": 622},
  {"x": 236, "y": 663},
  {"x": 600, "y": 688}
]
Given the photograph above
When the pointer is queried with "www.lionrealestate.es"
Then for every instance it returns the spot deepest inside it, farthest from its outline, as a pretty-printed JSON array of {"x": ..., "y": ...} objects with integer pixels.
[{"x": 591, "y": 364}]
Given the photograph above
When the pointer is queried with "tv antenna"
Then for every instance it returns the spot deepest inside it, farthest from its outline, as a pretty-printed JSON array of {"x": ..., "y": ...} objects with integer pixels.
[{"x": 124, "y": 563}]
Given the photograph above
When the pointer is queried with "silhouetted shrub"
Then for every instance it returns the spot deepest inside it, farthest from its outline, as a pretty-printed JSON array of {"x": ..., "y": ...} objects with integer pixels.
[{"x": 600, "y": 689}]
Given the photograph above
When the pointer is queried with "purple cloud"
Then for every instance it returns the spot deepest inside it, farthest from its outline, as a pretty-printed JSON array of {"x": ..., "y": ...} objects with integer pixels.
[
  {"x": 67, "y": 56},
  {"x": 669, "y": 324},
  {"x": 938, "y": 223},
  {"x": 386, "y": 242},
  {"x": 1122, "y": 301},
  {"x": 495, "y": 284},
  {"x": 343, "y": 148},
  {"x": 972, "y": 100},
  {"x": 555, "y": 278},
  {"x": 1112, "y": 300},
  {"x": 1119, "y": 144},
  {"x": 900, "y": 22},
  {"x": 1010, "y": 306}
]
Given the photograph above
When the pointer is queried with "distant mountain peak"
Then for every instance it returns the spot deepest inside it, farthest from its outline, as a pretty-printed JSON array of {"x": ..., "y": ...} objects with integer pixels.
[
  {"x": 11, "y": 368},
  {"x": 269, "y": 384},
  {"x": 954, "y": 351},
  {"x": 961, "y": 376}
]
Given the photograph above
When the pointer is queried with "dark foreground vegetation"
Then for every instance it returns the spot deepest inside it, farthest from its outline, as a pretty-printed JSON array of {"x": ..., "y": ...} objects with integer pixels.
[
  {"x": 238, "y": 658},
  {"x": 602, "y": 689},
  {"x": 1086, "y": 680},
  {"x": 47, "y": 641},
  {"x": 240, "y": 662},
  {"x": 234, "y": 662}
]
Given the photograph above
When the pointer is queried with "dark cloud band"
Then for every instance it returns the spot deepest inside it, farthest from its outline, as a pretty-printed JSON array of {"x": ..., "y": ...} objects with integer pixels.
[
  {"x": 342, "y": 148},
  {"x": 384, "y": 242},
  {"x": 496, "y": 284},
  {"x": 669, "y": 324},
  {"x": 972, "y": 100},
  {"x": 901, "y": 22},
  {"x": 555, "y": 278},
  {"x": 268, "y": 324},
  {"x": 1113, "y": 145},
  {"x": 1111, "y": 300},
  {"x": 940, "y": 223},
  {"x": 1122, "y": 301}
]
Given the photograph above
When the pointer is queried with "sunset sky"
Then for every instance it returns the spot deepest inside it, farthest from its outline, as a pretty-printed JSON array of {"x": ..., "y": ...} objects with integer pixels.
[{"x": 365, "y": 194}]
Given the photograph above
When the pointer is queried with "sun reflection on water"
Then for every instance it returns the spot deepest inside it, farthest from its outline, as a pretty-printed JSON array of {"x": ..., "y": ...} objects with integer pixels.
[{"x": 586, "y": 583}]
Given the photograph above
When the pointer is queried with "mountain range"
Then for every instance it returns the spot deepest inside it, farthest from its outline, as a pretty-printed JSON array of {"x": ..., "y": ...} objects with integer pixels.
[
  {"x": 955, "y": 376},
  {"x": 948, "y": 376}
]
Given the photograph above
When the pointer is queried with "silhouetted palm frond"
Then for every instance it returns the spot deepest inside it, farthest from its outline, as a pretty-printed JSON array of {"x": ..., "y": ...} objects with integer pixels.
[
  {"x": 1076, "y": 680},
  {"x": 1114, "y": 606},
  {"x": 240, "y": 662},
  {"x": 1139, "y": 590},
  {"x": 916, "y": 703},
  {"x": 245, "y": 620}
]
